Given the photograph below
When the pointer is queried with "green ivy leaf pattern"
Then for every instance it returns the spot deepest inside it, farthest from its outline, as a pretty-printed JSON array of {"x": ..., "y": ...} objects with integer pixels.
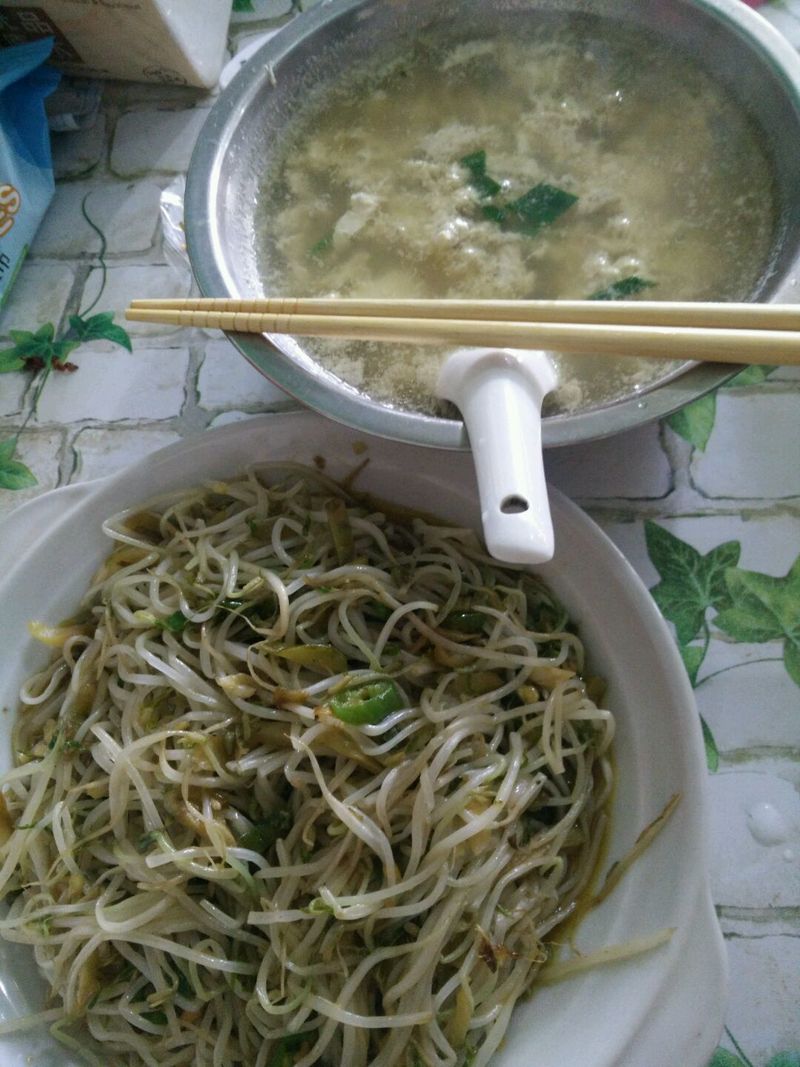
[
  {"x": 765, "y": 608},
  {"x": 692, "y": 656},
  {"x": 42, "y": 351},
  {"x": 695, "y": 422},
  {"x": 31, "y": 345},
  {"x": 690, "y": 582},
  {"x": 39, "y": 349},
  {"x": 99, "y": 327},
  {"x": 753, "y": 375},
  {"x": 723, "y": 1058},
  {"x": 750, "y": 607},
  {"x": 13, "y": 473},
  {"x": 710, "y": 745},
  {"x": 791, "y": 661},
  {"x": 10, "y": 360}
]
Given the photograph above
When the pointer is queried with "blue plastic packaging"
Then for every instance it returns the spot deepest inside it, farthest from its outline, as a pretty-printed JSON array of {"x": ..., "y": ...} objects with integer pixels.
[{"x": 26, "y": 172}]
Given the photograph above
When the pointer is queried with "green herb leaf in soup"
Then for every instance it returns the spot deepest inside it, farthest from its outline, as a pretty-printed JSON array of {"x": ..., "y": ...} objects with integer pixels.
[
  {"x": 323, "y": 245},
  {"x": 539, "y": 207},
  {"x": 622, "y": 289},
  {"x": 481, "y": 182}
]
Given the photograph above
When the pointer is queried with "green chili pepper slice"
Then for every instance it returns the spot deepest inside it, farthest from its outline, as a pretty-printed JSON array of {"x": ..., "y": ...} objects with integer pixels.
[{"x": 367, "y": 704}]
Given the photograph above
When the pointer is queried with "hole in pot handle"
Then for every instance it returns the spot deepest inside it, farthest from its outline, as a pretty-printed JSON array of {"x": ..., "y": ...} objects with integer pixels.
[{"x": 513, "y": 505}]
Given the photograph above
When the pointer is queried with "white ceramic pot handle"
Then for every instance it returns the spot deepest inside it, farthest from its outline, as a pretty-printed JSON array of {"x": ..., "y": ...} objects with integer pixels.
[{"x": 499, "y": 393}]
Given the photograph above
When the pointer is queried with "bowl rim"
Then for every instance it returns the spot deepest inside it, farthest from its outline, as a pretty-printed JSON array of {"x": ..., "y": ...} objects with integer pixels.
[{"x": 343, "y": 403}]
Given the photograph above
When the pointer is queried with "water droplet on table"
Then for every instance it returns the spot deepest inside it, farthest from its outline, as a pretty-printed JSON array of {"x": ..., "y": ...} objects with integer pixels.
[{"x": 767, "y": 824}]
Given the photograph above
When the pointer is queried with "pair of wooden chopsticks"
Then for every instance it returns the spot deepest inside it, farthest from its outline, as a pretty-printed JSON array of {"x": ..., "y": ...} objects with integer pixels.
[{"x": 720, "y": 333}]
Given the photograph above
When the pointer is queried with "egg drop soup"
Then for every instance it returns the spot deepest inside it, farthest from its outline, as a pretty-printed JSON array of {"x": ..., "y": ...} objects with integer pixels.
[{"x": 572, "y": 164}]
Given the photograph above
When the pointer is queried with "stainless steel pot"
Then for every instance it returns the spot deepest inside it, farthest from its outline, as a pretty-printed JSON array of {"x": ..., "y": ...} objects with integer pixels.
[{"x": 739, "y": 47}]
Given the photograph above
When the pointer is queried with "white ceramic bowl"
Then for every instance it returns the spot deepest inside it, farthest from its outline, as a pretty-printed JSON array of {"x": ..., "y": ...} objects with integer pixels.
[{"x": 662, "y": 1009}]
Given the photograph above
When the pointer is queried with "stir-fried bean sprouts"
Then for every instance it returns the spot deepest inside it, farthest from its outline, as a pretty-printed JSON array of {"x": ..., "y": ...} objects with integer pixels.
[{"x": 305, "y": 784}]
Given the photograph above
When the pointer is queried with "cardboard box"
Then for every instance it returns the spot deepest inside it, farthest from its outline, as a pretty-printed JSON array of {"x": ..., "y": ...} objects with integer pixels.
[{"x": 177, "y": 42}]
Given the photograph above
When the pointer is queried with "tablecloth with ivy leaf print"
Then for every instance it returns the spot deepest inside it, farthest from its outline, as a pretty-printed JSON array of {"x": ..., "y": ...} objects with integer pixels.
[{"x": 706, "y": 505}]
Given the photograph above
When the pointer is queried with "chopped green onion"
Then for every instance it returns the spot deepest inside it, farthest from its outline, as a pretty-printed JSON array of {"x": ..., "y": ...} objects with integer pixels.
[
  {"x": 623, "y": 288},
  {"x": 157, "y": 1018},
  {"x": 185, "y": 988},
  {"x": 464, "y": 622},
  {"x": 174, "y": 622},
  {"x": 367, "y": 704},
  {"x": 254, "y": 611},
  {"x": 286, "y": 1046},
  {"x": 152, "y": 837},
  {"x": 374, "y": 609},
  {"x": 263, "y": 834}
]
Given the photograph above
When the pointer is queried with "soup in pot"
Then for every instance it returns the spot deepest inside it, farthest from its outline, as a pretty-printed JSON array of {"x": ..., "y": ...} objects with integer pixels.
[{"x": 573, "y": 164}]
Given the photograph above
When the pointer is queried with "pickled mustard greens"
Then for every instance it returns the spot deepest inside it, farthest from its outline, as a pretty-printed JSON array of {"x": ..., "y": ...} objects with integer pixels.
[
  {"x": 303, "y": 784},
  {"x": 581, "y": 161}
]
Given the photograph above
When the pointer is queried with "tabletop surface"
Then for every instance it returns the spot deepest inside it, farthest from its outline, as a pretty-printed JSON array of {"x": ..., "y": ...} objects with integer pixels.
[{"x": 711, "y": 495}]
